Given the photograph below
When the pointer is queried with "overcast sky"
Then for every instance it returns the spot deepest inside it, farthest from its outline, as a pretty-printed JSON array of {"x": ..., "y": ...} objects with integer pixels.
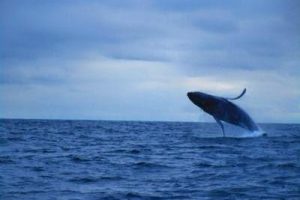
[{"x": 135, "y": 60}]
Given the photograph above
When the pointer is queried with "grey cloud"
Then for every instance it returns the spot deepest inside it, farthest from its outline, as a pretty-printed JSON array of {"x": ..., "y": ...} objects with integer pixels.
[
  {"x": 43, "y": 43},
  {"x": 149, "y": 31}
]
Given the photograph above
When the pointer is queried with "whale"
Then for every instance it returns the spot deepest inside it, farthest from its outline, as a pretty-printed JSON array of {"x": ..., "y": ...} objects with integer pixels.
[{"x": 223, "y": 110}]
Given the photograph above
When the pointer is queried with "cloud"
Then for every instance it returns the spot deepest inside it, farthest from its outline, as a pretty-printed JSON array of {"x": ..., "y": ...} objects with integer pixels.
[
  {"x": 103, "y": 88},
  {"x": 137, "y": 60},
  {"x": 133, "y": 31}
]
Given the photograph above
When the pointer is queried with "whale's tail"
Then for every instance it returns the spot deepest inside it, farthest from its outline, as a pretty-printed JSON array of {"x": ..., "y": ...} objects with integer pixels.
[{"x": 242, "y": 94}]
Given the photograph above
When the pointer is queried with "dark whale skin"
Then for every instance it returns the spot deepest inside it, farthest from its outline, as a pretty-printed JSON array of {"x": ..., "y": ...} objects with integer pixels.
[{"x": 222, "y": 109}]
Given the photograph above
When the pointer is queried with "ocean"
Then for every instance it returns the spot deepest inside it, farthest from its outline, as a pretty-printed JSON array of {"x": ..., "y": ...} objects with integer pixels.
[{"x": 65, "y": 159}]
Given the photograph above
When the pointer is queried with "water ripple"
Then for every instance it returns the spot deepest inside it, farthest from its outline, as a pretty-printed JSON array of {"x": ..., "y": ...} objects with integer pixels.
[{"x": 43, "y": 159}]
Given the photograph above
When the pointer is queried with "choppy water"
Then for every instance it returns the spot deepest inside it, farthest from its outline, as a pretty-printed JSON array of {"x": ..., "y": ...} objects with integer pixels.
[{"x": 42, "y": 159}]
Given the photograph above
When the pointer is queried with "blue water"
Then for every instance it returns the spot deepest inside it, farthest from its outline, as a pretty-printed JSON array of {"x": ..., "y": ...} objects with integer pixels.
[{"x": 42, "y": 159}]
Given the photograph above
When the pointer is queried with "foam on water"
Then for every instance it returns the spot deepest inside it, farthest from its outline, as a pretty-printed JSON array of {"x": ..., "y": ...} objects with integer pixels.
[
  {"x": 258, "y": 133},
  {"x": 238, "y": 132}
]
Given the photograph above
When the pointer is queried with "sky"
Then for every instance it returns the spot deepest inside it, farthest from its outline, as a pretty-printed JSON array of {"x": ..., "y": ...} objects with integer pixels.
[{"x": 137, "y": 59}]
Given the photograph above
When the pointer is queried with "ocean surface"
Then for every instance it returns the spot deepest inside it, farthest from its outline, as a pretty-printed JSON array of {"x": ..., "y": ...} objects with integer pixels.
[{"x": 52, "y": 159}]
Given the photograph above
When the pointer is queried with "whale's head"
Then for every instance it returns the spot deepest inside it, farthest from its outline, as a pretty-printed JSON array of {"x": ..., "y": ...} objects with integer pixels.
[{"x": 205, "y": 101}]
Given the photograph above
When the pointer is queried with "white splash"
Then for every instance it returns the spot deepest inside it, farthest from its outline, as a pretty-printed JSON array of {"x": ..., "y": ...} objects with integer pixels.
[{"x": 258, "y": 133}]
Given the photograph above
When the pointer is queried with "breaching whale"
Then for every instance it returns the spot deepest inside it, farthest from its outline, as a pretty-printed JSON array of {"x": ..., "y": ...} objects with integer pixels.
[{"x": 223, "y": 110}]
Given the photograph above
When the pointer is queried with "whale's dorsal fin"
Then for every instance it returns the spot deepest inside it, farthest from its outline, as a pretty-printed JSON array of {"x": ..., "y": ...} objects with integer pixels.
[{"x": 244, "y": 91}]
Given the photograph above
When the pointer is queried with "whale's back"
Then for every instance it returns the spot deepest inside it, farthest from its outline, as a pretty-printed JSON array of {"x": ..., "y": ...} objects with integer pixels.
[{"x": 233, "y": 114}]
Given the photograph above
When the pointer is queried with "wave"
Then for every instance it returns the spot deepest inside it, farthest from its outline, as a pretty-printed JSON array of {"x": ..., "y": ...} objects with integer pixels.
[
  {"x": 144, "y": 164},
  {"x": 83, "y": 179},
  {"x": 6, "y": 160},
  {"x": 77, "y": 158},
  {"x": 94, "y": 179}
]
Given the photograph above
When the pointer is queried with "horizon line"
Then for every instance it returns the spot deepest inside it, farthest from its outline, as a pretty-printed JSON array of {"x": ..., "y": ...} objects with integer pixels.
[{"x": 116, "y": 120}]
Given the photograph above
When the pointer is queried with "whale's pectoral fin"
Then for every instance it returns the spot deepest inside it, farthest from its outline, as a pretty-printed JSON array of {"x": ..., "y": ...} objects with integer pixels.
[
  {"x": 242, "y": 94},
  {"x": 220, "y": 123}
]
